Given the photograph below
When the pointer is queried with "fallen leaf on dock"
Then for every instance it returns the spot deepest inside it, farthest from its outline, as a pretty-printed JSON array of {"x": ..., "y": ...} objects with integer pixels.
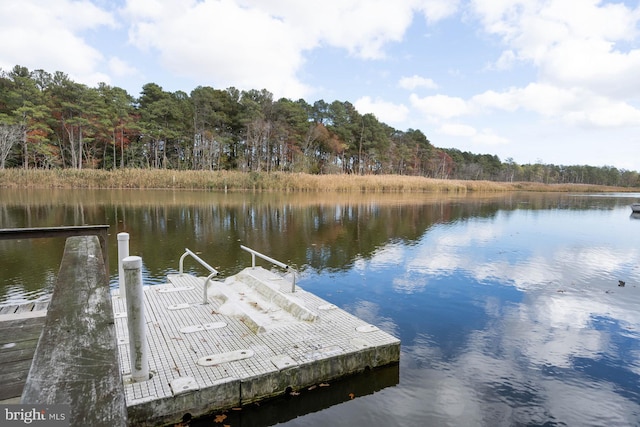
[{"x": 219, "y": 418}]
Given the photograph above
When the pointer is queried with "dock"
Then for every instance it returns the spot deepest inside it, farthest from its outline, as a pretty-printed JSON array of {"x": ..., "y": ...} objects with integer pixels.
[
  {"x": 254, "y": 339},
  {"x": 209, "y": 344},
  {"x": 20, "y": 327}
]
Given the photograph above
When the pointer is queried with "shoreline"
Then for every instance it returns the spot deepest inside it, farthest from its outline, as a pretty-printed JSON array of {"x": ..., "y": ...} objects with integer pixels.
[{"x": 270, "y": 181}]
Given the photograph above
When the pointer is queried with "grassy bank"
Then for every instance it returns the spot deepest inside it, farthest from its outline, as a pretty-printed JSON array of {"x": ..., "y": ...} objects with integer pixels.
[{"x": 241, "y": 181}]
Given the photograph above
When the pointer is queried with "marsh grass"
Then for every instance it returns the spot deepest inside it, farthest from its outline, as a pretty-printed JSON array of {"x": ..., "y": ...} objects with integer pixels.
[{"x": 275, "y": 181}]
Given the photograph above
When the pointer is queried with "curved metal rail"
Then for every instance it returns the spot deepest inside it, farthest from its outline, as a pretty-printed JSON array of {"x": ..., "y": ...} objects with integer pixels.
[
  {"x": 255, "y": 254},
  {"x": 213, "y": 271}
]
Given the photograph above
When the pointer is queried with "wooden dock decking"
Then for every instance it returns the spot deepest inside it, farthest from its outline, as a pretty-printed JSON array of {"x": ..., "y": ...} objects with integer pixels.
[
  {"x": 254, "y": 339},
  {"x": 20, "y": 328}
]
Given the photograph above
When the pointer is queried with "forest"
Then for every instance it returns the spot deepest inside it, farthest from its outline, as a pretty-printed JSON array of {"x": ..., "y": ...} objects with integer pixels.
[{"x": 48, "y": 121}]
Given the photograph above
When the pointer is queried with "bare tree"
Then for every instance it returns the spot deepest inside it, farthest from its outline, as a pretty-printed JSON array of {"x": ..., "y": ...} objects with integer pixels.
[{"x": 9, "y": 135}]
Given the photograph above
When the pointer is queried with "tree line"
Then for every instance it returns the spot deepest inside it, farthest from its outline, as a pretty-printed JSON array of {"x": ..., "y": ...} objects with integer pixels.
[{"x": 49, "y": 121}]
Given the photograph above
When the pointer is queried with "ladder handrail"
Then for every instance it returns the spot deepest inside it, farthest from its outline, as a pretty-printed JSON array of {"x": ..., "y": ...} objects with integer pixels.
[
  {"x": 255, "y": 253},
  {"x": 213, "y": 271}
]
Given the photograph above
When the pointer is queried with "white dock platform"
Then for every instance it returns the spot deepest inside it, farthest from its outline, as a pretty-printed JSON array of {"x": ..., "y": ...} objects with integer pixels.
[{"x": 254, "y": 339}]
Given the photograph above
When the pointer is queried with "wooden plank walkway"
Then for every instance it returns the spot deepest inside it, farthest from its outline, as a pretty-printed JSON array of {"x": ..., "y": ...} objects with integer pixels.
[{"x": 20, "y": 328}]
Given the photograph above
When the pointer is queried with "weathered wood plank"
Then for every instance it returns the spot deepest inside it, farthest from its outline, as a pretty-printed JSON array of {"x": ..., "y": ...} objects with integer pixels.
[
  {"x": 16, "y": 329},
  {"x": 13, "y": 377},
  {"x": 11, "y": 391},
  {"x": 24, "y": 350},
  {"x": 18, "y": 341},
  {"x": 76, "y": 361}
]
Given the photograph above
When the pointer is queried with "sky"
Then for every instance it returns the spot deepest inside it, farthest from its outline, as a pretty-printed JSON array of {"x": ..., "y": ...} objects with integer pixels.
[{"x": 550, "y": 81}]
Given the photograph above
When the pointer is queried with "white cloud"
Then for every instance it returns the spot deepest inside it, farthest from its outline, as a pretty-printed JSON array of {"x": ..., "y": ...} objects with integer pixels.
[
  {"x": 362, "y": 28},
  {"x": 488, "y": 137},
  {"x": 440, "y": 106},
  {"x": 544, "y": 99},
  {"x": 384, "y": 111},
  {"x": 229, "y": 42},
  {"x": 415, "y": 81},
  {"x": 506, "y": 60},
  {"x": 223, "y": 44},
  {"x": 121, "y": 68},
  {"x": 436, "y": 10},
  {"x": 261, "y": 44},
  {"x": 571, "y": 43},
  {"x": 45, "y": 35},
  {"x": 573, "y": 106},
  {"x": 457, "y": 129}
]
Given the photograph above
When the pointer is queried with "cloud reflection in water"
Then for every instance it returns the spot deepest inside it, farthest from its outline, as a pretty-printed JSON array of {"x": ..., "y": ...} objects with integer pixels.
[{"x": 503, "y": 321}]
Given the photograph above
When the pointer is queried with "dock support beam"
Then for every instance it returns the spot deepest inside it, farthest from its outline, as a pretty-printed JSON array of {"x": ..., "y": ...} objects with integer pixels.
[
  {"x": 138, "y": 347},
  {"x": 76, "y": 360}
]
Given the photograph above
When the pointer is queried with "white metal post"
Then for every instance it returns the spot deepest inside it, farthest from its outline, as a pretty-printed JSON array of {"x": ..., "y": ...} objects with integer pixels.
[
  {"x": 138, "y": 348},
  {"x": 123, "y": 252}
]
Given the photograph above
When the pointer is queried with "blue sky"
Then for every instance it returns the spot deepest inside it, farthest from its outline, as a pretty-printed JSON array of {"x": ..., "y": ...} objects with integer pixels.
[{"x": 556, "y": 81}]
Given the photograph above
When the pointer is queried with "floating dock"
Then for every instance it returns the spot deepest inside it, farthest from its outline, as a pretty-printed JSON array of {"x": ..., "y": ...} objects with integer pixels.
[{"x": 256, "y": 337}]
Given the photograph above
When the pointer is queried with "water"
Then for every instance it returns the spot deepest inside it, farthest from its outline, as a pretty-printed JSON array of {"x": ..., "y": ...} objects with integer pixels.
[{"x": 508, "y": 306}]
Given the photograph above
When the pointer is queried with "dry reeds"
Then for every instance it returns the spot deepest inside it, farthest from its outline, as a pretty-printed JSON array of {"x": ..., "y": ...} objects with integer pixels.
[{"x": 255, "y": 181}]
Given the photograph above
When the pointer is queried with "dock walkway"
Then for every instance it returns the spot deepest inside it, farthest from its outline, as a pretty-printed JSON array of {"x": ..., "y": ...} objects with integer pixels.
[
  {"x": 20, "y": 328},
  {"x": 254, "y": 339}
]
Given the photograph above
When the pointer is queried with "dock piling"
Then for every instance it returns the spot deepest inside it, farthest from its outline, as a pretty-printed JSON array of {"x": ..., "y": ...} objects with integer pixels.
[
  {"x": 132, "y": 266},
  {"x": 123, "y": 252}
]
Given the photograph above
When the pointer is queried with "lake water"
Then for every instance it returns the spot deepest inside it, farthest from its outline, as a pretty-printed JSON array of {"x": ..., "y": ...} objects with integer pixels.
[{"x": 508, "y": 306}]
